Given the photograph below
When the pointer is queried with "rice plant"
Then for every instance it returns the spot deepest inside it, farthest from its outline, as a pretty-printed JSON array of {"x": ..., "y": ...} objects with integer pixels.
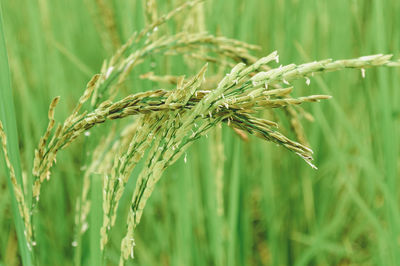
[{"x": 143, "y": 134}]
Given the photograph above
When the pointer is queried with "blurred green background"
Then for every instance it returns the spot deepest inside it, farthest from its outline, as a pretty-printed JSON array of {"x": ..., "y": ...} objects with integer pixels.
[{"x": 277, "y": 210}]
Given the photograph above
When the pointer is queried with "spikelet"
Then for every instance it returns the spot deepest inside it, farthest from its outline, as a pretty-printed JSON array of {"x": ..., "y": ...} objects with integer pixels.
[
  {"x": 42, "y": 143},
  {"x": 17, "y": 188},
  {"x": 124, "y": 162},
  {"x": 45, "y": 155}
]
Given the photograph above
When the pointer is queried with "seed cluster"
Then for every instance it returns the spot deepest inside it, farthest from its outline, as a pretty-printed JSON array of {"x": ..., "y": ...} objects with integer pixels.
[
  {"x": 170, "y": 121},
  {"x": 18, "y": 191}
]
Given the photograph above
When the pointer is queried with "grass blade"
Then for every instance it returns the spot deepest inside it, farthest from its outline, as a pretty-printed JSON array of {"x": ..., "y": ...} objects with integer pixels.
[{"x": 7, "y": 116}]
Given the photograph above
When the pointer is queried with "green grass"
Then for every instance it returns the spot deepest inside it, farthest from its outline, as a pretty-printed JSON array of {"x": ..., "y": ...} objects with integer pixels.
[
  {"x": 8, "y": 118},
  {"x": 278, "y": 211}
]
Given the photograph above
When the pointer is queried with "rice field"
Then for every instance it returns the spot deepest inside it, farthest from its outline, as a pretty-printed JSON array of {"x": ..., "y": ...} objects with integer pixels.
[{"x": 199, "y": 133}]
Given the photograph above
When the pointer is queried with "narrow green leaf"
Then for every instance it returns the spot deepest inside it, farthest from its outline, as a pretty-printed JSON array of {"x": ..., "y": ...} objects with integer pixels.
[{"x": 7, "y": 116}]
